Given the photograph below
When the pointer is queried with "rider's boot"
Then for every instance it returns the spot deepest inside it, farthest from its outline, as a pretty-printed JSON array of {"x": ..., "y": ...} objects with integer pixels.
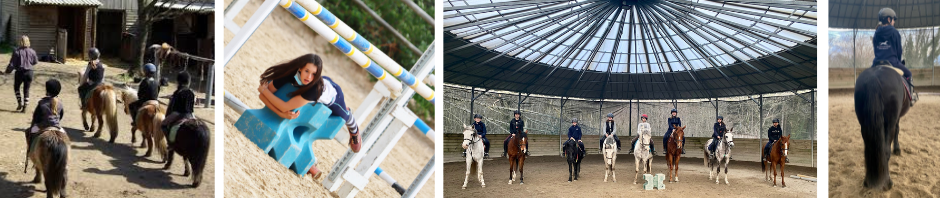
[
  {"x": 504, "y": 154},
  {"x": 683, "y": 150},
  {"x": 315, "y": 172},
  {"x": 464, "y": 154},
  {"x": 486, "y": 155},
  {"x": 787, "y": 158},
  {"x": 914, "y": 98}
]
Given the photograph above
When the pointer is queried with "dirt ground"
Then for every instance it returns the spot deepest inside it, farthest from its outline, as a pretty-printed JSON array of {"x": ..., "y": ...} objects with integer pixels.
[
  {"x": 96, "y": 167},
  {"x": 914, "y": 172},
  {"x": 547, "y": 176},
  {"x": 252, "y": 173}
]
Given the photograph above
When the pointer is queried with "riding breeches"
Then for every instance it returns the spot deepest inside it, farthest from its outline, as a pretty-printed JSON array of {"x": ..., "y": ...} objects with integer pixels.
[
  {"x": 25, "y": 78},
  {"x": 506, "y": 145},
  {"x": 616, "y": 139}
]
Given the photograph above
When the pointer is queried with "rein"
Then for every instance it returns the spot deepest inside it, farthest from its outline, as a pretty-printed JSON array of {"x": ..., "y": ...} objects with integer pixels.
[{"x": 470, "y": 145}]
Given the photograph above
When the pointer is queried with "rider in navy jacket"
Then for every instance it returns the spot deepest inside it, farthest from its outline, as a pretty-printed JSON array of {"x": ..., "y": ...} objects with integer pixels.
[
  {"x": 672, "y": 122},
  {"x": 481, "y": 130},
  {"x": 574, "y": 133},
  {"x": 887, "y": 42},
  {"x": 719, "y": 131},
  {"x": 516, "y": 126},
  {"x": 773, "y": 134}
]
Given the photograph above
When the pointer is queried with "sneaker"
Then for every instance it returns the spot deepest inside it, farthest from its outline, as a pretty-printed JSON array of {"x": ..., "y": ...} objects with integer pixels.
[
  {"x": 355, "y": 142},
  {"x": 315, "y": 172}
]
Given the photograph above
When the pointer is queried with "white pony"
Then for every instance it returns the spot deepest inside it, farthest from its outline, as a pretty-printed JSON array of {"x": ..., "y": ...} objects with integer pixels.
[
  {"x": 610, "y": 157},
  {"x": 473, "y": 143},
  {"x": 722, "y": 156},
  {"x": 642, "y": 155}
]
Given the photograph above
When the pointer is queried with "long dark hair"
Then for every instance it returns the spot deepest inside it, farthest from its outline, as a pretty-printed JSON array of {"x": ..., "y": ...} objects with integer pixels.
[{"x": 291, "y": 67}]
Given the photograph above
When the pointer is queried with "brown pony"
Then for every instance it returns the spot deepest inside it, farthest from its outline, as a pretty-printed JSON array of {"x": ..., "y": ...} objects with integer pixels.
[
  {"x": 673, "y": 152},
  {"x": 149, "y": 117},
  {"x": 102, "y": 104},
  {"x": 516, "y": 153},
  {"x": 778, "y": 155},
  {"x": 50, "y": 157}
]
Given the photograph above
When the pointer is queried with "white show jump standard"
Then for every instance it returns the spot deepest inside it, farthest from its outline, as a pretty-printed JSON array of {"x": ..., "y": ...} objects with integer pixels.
[{"x": 356, "y": 40}]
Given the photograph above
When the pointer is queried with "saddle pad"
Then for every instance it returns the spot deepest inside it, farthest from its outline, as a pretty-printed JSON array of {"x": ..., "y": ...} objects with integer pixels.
[{"x": 900, "y": 72}]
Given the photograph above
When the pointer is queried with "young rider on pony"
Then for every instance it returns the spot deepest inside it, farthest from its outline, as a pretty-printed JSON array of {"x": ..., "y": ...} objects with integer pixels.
[
  {"x": 574, "y": 134},
  {"x": 93, "y": 75},
  {"x": 643, "y": 127},
  {"x": 181, "y": 104},
  {"x": 48, "y": 113},
  {"x": 610, "y": 130},
  {"x": 773, "y": 134},
  {"x": 516, "y": 126},
  {"x": 147, "y": 90},
  {"x": 305, "y": 72},
  {"x": 887, "y": 43},
  {"x": 719, "y": 131},
  {"x": 673, "y": 121},
  {"x": 480, "y": 128}
]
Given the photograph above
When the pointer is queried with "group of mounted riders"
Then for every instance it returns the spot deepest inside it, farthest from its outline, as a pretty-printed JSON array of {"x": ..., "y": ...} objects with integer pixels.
[{"x": 516, "y": 126}]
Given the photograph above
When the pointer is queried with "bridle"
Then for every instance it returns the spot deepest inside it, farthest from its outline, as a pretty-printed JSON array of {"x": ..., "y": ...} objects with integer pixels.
[{"x": 470, "y": 145}]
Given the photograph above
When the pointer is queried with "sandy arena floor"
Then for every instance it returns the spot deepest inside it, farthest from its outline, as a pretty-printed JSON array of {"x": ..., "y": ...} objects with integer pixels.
[
  {"x": 96, "y": 167},
  {"x": 547, "y": 176},
  {"x": 914, "y": 172},
  {"x": 250, "y": 172}
]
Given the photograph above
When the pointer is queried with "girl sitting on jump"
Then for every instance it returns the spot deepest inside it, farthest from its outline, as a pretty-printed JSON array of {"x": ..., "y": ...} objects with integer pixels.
[{"x": 305, "y": 72}]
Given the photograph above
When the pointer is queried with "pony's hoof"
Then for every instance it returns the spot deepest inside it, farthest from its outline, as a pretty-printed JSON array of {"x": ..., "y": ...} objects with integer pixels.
[
  {"x": 464, "y": 187},
  {"x": 97, "y": 135},
  {"x": 775, "y": 185},
  {"x": 897, "y": 152},
  {"x": 484, "y": 186}
]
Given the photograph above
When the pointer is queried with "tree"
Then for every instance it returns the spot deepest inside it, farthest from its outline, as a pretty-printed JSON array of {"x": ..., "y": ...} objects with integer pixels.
[{"x": 151, "y": 11}]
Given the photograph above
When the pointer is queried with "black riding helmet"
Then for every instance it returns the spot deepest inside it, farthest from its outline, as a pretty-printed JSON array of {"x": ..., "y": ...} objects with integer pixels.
[
  {"x": 610, "y": 115},
  {"x": 674, "y": 111},
  {"x": 53, "y": 87},
  {"x": 721, "y": 118},
  {"x": 886, "y": 13},
  {"x": 183, "y": 79},
  {"x": 574, "y": 120},
  {"x": 776, "y": 120},
  {"x": 93, "y": 53},
  {"x": 477, "y": 116},
  {"x": 517, "y": 112}
]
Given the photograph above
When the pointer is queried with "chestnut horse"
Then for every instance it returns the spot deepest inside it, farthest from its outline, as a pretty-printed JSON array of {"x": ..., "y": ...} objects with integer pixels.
[
  {"x": 674, "y": 152},
  {"x": 516, "y": 153},
  {"x": 778, "y": 155},
  {"x": 149, "y": 117},
  {"x": 102, "y": 104},
  {"x": 880, "y": 102},
  {"x": 50, "y": 157}
]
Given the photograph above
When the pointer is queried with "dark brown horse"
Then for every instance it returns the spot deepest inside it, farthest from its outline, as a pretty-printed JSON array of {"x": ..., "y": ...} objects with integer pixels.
[
  {"x": 778, "y": 156},
  {"x": 50, "y": 156},
  {"x": 673, "y": 152},
  {"x": 880, "y": 102},
  {"x": 516, "y": 153},
  {"x": 102, "y": 104},
  {"x": 192, "y": 142}
]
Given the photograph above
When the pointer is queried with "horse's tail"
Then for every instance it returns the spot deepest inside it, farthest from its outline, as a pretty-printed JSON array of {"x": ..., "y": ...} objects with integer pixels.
[
  {"x": 110, "y": 110},
  {"x": 55, "y": 167},
  {"x": 158, "y": 134},
  {"x": 200, "y": 151}
]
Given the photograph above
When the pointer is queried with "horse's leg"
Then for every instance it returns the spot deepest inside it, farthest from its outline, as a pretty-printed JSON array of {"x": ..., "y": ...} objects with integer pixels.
[
  {"x": 186, "y": 166},
  {"x": 577, "y": 169},
  {"x": 570, "y": 170},
  {"x": 84, "y": 119},
  {"x": 521, "y": 165},
  {"x": 149, "y": 140},
  {"x": 897, "y": 146},
  {"x": 677, "y": 167},
  {"x": 726, "y": 170},
  {"x": 480, "y": 172},
  {"x": 511, "y": 163},
  {"x": 143, "y": 142},
  {"x": 636, "y": 162},
  {"x": 467, "y": 177},
  {"x": 38, "y": 168},
  {"x": 169, "y": 159},
  {"x": 613, "y": 172},
  {"x": 783, "y": 182},
  {"x": 773, "y": 169}
]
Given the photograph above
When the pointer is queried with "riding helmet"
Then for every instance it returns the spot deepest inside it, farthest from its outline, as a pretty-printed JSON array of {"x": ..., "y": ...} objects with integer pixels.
[
  {"x": 885, "y": 13},
  {"x": 610, "y": 115},
  {"x": 644, "y": 116},
  {"x": 149, "y": 68},
  {"x": 53, "y": 87},
  {"x": 93, "y": 53},
  {"x": 721, "y": 117},
  {"x": 477, "y": 116},
  {"x": 574, "y": 120},
  {"x": 674, "y": 111},
  {"x": 517, "y": 112},
  {"x": 183, "y": 78},
  {"x": 776, "y": 120}
]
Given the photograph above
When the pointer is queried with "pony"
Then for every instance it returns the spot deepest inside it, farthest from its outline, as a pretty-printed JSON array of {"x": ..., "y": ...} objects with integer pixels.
[
  {"x": 642, "y": 155},
  {"x": 674, "y": 152},
  {"x": 777, "y": 156},
  {"x": 722, "y": 156},
  {"x": 610, "y": 157},
  {"x": 149, "y": 117},
  {"x": 472, "y": 143},
  {"x": 517, "y": 148},
  {"x": 880, "y": 102},
  {"x": 574, "y": 155},
  {"x": 102, "y": 104},
  {"x": 50, "y": 156},
  {"x": 192, "y": 143}
]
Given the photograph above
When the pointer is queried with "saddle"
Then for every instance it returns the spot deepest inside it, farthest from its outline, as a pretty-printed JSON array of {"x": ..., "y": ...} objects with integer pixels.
[
  {"x": 175, "y": 126},
  {"x": 907, "y": 87}
]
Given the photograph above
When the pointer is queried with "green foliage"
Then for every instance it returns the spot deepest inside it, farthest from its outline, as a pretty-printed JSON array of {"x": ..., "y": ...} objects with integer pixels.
[{"x": 402, "y": 18}]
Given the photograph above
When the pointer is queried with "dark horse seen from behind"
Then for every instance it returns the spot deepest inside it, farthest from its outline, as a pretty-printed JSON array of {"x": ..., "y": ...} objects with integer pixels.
[
  {"x": 574, "y": 154},
  {"x": 880, "y": 102}
]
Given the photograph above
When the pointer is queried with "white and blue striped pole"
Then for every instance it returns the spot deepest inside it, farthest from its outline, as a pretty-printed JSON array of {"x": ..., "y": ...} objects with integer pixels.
[
  {"x": 342, "y": 45},
  {"x": 359, "y": 42}
]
